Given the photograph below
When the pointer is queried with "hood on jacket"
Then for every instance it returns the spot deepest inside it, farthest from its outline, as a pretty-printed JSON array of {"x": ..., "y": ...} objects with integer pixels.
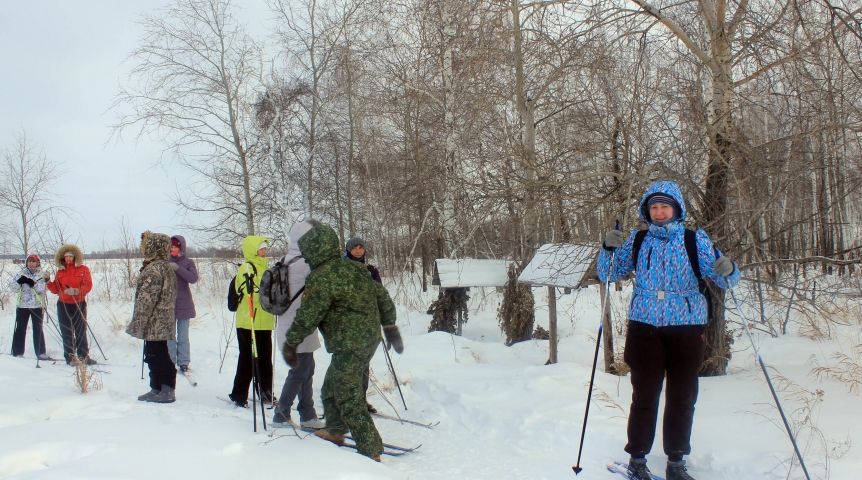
[
  {"x": 251, "y": 244},
  {"x": 319, "y": 245},
  {"x": 297, "y": 230},
  {"x": 61, "y": 252},
  {"x": 155, "y": 246},
  {"x": 182, "y": 241},
  {"x": 666, "y": 187}
]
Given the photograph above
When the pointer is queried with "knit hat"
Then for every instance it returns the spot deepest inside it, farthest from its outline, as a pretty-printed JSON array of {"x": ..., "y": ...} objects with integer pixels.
[
  {"x": 34, "y": 256},
  {"x": 659, "y": 197},
  {"x": 354, "y": 242},
  {"x": 176, "y": 243}
]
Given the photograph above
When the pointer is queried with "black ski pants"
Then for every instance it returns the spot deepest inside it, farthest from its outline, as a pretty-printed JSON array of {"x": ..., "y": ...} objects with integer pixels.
[
  {"x": 73, "y": 329},
  {"x": 653, "y": 354},
  {"x": 162, "y": 369},
  {"x": 245, "y": 364},
  {"x": 19, "y": 338}
]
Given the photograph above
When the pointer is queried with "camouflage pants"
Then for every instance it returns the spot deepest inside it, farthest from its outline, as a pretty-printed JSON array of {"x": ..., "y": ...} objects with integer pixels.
[{"x": 344, "y": 404}]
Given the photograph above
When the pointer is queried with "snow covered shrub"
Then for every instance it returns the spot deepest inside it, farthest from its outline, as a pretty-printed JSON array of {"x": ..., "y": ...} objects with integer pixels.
[
  {"x": 516, "y": 314},
  {"x": 447, "y": 309},
  {"x": 847, "y": 368},
  {"x": 86, "y": 378},
  {"x": 541, "y": 334}
]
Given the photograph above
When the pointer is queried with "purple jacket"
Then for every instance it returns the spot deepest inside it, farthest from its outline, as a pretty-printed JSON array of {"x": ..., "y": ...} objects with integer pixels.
[{"x": 187, "y": 273}]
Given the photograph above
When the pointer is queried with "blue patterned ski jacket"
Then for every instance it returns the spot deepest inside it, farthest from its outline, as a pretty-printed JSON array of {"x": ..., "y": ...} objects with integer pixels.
[{"x": 665, "y": 288}]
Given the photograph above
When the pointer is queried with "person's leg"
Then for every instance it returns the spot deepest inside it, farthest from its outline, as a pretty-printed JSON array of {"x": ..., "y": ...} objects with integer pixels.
[
  {"x": 242, "y": 378},
  {"x": 305, "y": 406},
  {"x": 350, "y": 402},
  {"x": 685, "y": 347},
  {"x": 19, "y": 337},
  {"x": 264, "y": 363},
  {"x": 79, "y": 323},
  {"x": 150, "y": 359},
  {"x": 172, "y": 346},
  {"x": 37, "y": 314},
  {"x": 645, "y": 357},
  {"x": 163, "y": 368},
  {"x": 182, "y": 348},
  {"x": 67, "y": 332}
]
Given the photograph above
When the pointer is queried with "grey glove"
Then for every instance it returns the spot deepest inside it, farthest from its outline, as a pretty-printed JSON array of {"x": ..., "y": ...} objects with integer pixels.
[
  {"x": 614, "y": 239},
  {"x": 722, "y": 266},
  {"x": 71, "y": 291},
  {"x": 393, "y": 338},
  {"x": 174, "y": 266},
  {"x": 291, "y": 358}
]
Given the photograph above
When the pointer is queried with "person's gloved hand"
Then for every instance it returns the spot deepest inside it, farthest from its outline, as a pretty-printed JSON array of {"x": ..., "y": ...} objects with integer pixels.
[
  {"x": 22, "y": 280},
  {"x": 614, "y": 239},
  {"x": 71, "y": 291},
  {"x": 174, "y": 266},
  {"x": 722, "y": 266},
  {"x": 46, "y": 276},
  {"x": 290, "y": 356},
  {"x": 393, "y": 338}
]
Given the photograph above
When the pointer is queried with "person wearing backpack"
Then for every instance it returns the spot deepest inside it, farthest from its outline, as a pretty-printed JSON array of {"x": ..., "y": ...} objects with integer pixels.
[
  {"x": 184, "y": 311},
  {"x": 252, "y": 320},
  {"x": 298, "y": 384},
  {"x": 667, "y": 318},
  {"x": 355, "y": 250},
  {"x": 348, "y": 307}
]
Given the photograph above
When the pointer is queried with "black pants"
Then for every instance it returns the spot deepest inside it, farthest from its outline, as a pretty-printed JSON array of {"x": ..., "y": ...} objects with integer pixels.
[
  {"x": 299, "y": 384},
  {"x": 19, "y": 338},
  {"x": 73, "y": 329},
  {"x": 162, "y": 369},
  {"x": 654, "y": 353},
  {"x": 245, "y": 364}
]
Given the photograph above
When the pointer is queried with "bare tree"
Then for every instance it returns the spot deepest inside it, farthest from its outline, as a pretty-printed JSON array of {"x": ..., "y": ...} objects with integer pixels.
[
  {"x": 26, "y": 193},
  {"x": 193, "y": 80}
]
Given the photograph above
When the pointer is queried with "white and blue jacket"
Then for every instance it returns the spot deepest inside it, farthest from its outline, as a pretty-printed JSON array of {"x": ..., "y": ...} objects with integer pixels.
[{"x": 665, "y": 287}]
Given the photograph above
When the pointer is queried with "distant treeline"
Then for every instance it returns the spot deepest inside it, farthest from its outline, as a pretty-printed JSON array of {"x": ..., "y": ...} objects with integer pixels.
[{"x": 118, "y": 253}]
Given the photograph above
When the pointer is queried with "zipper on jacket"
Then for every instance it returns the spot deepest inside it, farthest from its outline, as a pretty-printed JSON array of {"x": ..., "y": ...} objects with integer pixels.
[
  {"x": 649, "y": 259},
  {"x": 688, "y": 304}
]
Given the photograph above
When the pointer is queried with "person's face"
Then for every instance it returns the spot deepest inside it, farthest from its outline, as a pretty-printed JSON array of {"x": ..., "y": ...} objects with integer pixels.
[
  {"x": 69, "y": 259},
  {"x": 261, "y": 252},
  {"x": 660, "y": 212},
  {"x": 357, "y": 251},
  {"x": 32, "y": 264},
  {"x": 175, "y": 250}
]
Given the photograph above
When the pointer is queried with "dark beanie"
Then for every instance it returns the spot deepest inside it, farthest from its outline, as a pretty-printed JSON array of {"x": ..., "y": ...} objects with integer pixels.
[{"x": 353, "y": 242}]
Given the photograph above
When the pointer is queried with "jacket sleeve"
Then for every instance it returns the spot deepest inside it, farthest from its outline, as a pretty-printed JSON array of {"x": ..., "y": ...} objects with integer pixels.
[
  {"x": 86, "y": 282},
  {"x": 189, "y": 274},
  {"x": 706, "y": 255},
  {"x": 622, "y": 258},
  {"x": 385, "y": 305},
  {"x": 52, "y": 285},
  {"x": 316, "y": 300},
  {"x": 147, "y": 294}
]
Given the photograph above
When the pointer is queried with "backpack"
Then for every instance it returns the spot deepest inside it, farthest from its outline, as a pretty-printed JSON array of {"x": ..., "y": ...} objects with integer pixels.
[
  {"x": 275, "y": 288},
  {"x": 690, "y": 241},
  {"x": 234, "y": 298}
]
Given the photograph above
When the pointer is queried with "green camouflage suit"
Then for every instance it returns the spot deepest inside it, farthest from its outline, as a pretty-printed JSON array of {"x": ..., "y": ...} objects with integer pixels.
[{"x": 348, "y": 307}]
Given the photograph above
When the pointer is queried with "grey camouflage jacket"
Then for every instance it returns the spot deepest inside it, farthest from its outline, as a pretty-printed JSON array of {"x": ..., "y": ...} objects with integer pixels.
[{"x": 156, "y": 293}]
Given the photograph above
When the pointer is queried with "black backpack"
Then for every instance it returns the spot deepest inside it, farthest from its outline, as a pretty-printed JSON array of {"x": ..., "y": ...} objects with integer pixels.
[
  {"x": 234, "y": 298},
  {"x": 275, "y": 295},
  {"x": 690, "y": 241}
]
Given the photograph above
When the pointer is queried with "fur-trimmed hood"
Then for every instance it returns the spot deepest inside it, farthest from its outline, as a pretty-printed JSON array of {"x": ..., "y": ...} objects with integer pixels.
[
  {"x": 61, "y": 252},
  {"x": 155, "y": 246}
]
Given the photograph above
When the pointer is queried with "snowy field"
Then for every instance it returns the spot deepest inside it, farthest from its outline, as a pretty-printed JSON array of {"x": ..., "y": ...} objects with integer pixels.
[{"x": 503, "y": 414}]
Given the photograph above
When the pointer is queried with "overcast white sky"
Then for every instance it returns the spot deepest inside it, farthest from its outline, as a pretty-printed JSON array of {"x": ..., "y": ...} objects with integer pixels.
[{"x": 61, "y": 63}]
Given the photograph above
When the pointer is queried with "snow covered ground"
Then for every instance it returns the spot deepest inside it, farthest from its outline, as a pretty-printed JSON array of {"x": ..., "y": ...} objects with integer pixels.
[{"x": 503, "y": 414}]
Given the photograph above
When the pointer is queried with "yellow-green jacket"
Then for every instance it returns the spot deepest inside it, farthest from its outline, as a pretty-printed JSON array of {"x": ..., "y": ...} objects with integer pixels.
[{"x": 263, "y": 320}]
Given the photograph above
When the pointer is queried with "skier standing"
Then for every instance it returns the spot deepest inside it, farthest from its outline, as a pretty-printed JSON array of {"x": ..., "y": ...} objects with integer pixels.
[
  {"x": 72, "y": 283},
  {"x": 29, "y": 285},
  {"x": 187, "y": 273},
  {"x": 667, "y": 319}
]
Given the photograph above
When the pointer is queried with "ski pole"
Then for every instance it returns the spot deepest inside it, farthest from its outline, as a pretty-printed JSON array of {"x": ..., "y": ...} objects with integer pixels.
[
  {"x": 768, "y": 381},
  {"x": 577, "y": 467},
  {"x": 143, "y": 358},
  {"x": 255, "y": 367},
  {"x": 392, "y": 369}
]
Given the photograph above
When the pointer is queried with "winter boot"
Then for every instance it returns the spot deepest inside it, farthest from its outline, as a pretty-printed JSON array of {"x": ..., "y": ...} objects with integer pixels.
[
  {"x": 280, "y": 420},
  {"x": 376, "y": 458},
  {"x": 336, "y": 438},
  {"x": 677, "y": 471},
  {"x": 637, "y": 469},
  {"x": 314, "y": 423},
  {"x": 90, "y": 361},
  {"x": 167, "y": 395},
  {"x": 147, "y": 396},
  {"x": 371, "y": 408}
]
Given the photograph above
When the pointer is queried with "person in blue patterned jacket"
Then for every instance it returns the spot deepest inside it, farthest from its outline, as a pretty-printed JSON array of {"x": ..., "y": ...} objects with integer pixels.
[{"x": 667, "y": 320}]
